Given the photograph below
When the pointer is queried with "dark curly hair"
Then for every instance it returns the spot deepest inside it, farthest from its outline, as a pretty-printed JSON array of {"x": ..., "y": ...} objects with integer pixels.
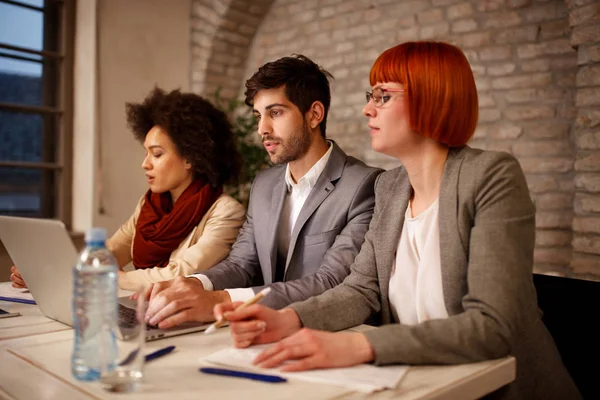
[
  {"x": 201, "y": 133},
  {"x": 305, "y": 82}
]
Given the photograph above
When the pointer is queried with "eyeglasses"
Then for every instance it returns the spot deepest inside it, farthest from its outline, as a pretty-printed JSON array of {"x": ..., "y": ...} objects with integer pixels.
[{"x": 379, "y": 96}]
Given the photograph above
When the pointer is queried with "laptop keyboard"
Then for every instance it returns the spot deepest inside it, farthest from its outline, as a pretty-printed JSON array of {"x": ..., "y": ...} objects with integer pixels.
[{"x": 127, "y": 318}]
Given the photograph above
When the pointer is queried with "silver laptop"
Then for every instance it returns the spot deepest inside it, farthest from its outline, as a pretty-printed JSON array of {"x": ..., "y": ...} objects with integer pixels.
[{"x": 45, "y": 255}]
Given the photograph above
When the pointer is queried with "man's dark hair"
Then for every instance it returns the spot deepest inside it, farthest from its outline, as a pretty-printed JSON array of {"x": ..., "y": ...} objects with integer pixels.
[
  {"x": 305, "y": 82},
  {"x": 201, "y": 133}
]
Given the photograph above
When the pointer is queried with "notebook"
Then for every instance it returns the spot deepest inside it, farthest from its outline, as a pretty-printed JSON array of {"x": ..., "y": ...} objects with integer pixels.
[
  {"x": 363, "y": 378},
  {"x": 44, "y": 253}
]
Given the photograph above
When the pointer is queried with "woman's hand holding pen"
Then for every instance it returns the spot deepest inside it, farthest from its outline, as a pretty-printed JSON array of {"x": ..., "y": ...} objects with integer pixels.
[{"x": 257, "y": 324}]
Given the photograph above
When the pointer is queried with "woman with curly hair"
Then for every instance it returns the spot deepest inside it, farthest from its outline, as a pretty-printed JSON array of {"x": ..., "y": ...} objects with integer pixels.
[{"x": 184, "y": 223}]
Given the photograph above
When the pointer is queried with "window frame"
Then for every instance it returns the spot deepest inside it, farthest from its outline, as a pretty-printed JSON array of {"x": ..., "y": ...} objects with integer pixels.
[{"x": 57, "y": 84}]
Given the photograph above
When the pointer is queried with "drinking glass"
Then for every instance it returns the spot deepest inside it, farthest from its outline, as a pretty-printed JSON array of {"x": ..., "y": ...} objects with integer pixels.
[{"x": 126, "y": 373}]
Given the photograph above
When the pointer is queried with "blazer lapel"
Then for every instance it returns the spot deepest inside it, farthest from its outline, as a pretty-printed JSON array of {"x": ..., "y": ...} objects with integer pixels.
[
  {"x": 394, "y": 209},
  {"x": 279, "y": 193},
  {"x": 322, "y": 189},
  {"x": 452, "y": 252}
]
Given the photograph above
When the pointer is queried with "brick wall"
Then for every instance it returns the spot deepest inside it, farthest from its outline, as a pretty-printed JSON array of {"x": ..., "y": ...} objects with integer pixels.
[
  {"x": 584, "y": 21},
  {"x": 536, "y": 64}
]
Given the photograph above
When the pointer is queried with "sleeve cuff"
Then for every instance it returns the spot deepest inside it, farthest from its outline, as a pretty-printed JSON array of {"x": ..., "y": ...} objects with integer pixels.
[
  {"x": 205, "y": 281},
  {"x": 241, "y": 294}
]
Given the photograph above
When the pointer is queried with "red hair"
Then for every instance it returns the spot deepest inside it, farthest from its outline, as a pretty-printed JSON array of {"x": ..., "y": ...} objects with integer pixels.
[{"x": 439, "y": 83}]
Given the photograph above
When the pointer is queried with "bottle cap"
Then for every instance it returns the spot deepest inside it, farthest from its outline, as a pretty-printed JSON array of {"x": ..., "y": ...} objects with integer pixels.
[{"x": 95, "y": 235}]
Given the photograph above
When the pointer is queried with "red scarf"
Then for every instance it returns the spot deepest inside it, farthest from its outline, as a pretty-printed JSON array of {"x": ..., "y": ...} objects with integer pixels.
[{"x": 162, "y": 226}]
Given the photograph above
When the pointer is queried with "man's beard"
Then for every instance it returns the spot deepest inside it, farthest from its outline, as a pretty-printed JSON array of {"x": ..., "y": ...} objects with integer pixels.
[{"x": 294, "y": 147}]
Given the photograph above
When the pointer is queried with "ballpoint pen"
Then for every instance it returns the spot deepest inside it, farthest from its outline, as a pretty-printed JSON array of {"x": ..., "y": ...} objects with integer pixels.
[
  {"x": 17, "y": 300},
  {"x": 242, "y": 374},
  {"x": 258, "y": 297},
  {"x": 159, "y": 353},
  {"x": 149, "y": 357}
]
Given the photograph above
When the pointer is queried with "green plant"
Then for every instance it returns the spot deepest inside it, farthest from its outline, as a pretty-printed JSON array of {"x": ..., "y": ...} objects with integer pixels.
[{"x": 254, "y": 156}]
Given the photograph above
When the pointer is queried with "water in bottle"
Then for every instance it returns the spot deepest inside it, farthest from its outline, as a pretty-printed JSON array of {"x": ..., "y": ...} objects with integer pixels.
[{"x": 94, "y": 308}]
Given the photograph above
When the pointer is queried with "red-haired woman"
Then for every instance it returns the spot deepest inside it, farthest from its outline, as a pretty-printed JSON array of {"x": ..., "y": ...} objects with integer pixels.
[{"x": 446, "y": 266}]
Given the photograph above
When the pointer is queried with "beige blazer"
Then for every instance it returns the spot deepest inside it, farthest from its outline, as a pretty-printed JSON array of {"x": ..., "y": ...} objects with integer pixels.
[
  {"x": 487, "y": 237},
  {"x": 206, "y": 245}
]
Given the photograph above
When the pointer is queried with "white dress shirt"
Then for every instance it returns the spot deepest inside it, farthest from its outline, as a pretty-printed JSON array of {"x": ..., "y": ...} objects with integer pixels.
[
  {"x": 293, "y": 203},
  {"x": 416, "y": 292}
]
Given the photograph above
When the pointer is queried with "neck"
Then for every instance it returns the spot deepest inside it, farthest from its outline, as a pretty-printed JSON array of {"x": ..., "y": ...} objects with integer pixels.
[
  {"x": 425, "y": 169},
  {"x": 301, "y": 166},
  {"x": 176, "y": 193}
]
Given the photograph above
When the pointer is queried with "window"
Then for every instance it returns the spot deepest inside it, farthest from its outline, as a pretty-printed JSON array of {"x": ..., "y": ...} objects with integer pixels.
[{"x": 36, "y": 69}]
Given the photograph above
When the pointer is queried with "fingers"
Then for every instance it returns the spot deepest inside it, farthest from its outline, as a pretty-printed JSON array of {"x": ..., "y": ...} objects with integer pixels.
[
  {"x": 162, "y": 306},
  {"x": 254, "y": 311},
  {"x": 171, "y": 297},
  {"x": 244, "y": 333},
  {"x": 269, "y": 353},
  {"x": 243, "y": 344},
  {"x": 17, "y": 279},
  {"x": 16, "y": 272},
  {"x": 222, "y": 308},
  {"x": 304, "y": 364},
  {"x": 137, "y": 294},
  {"x": 147, "y": 292},
  {"x": 242, "y": 328},
  {"x": 281, "y": 352},
  {"x": 305, "y": 345},
  {"x": 175, "y": 319},
  {"x": 155, "y": 289}
]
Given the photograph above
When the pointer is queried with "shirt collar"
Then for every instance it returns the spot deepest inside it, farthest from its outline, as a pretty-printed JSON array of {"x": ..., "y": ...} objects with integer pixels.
[{"x": 313, "y": 173}]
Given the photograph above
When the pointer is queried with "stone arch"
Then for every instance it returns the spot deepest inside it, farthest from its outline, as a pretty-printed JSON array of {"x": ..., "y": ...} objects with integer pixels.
[{"x": 222, "y": 32}]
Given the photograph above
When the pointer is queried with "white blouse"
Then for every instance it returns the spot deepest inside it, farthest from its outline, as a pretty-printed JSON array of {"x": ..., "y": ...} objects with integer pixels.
[{"x": 416, "y": 292}]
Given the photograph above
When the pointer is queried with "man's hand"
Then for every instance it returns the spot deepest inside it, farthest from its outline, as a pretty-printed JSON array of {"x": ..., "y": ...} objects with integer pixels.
[
  {"x": 16, "y": 278},
  {"x": 154, "y": 289},
  {"x": 313, "y": 349},
  {"x": 151, "y": 291},
  {"x": 181, "y": 300}
]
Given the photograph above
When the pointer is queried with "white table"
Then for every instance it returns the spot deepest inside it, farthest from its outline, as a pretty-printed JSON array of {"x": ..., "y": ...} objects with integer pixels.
[
  {"x": 37, "y": 366},
  {"x": 31, "y": 322}
]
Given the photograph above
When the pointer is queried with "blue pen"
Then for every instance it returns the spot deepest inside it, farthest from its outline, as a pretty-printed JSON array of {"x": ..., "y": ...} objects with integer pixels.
[
  {"x": 241, "y": 374},
  {"x": 159, "y": 353},
  {"x": 16, "y": 300},
  {"x": 152, "y": 356}
]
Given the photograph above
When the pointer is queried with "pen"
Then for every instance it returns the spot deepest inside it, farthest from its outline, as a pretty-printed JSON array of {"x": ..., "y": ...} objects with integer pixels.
[
  {"x": 16, "y": 300},
  {"x": 247, "y": 375},
  {"x": 159, "y": 353},
  {"x": 258, "y": 297},
  {"x": 152, "y": 356}
]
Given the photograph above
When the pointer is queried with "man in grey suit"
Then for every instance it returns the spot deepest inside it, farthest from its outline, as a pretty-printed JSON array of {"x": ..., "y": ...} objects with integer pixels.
[{"x": 307, "y": 215}]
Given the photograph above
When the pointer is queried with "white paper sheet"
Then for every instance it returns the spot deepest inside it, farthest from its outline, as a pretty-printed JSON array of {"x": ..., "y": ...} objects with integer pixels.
[
  {"x": 6, "y": 290},
  {"x": 364, "y": 378}
]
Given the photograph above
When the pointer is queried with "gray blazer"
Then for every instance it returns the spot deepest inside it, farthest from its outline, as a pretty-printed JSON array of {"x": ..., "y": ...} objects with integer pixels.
[
  {"x": 326, "y": 238},
  {"x": 487, "y": 237}
]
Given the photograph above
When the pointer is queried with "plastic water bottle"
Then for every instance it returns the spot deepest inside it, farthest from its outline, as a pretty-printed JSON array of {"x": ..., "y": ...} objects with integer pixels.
[{"x": 94, "y": 308}]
